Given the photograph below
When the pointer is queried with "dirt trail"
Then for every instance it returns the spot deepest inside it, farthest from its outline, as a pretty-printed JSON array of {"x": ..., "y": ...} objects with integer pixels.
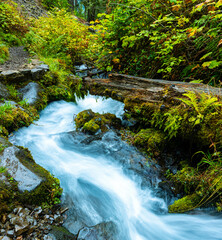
[{"x": 18, "y": 59}]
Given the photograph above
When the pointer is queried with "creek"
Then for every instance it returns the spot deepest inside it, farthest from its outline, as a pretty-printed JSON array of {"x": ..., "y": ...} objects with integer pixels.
[{"x": 99, "y": 183}]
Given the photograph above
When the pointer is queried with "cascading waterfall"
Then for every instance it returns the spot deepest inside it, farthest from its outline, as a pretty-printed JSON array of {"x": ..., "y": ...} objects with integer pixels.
[{"x": 97, "y": 186}]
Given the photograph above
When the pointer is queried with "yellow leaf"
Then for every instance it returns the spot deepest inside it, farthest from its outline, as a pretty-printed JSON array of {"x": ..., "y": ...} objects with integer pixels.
[{"x": 220, "y": 42}]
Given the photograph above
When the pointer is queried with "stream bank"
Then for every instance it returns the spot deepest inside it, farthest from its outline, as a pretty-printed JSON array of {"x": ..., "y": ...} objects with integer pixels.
[{"x": 178, "y": 125}]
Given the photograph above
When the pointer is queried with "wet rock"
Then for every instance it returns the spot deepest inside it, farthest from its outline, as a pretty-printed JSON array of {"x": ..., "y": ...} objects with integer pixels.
[
  {"x": 26, "y": 179},
  {"x": 102, "y": 231},
  {"x": 43, "y": 66},
  {"x": 61, "y": 233},
  {"x": 5, "y": 238},
  {"x": 4, "y": 142},
  {"x": 10, "y": 233},
  {"x": 4, "y": 93},
  {"x": 30, "y": 93}
]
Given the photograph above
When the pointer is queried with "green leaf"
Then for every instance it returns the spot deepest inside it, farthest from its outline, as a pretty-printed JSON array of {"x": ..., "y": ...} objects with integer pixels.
[{"x": 206, "y": 55}]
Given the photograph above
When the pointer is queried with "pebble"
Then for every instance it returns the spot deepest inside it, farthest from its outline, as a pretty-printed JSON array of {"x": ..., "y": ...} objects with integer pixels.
[{"x": 30, "y": 224}]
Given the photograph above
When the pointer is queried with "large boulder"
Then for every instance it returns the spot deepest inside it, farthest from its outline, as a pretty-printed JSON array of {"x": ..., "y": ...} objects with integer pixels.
[{"x": 24, "y": 181}]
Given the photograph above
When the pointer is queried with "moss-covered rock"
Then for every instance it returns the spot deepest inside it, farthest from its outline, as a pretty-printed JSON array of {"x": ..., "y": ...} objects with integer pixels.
[
  {"x": 151, "y": 140},
  {"x": 48, "y": 192},
  {"x": 184, "y": 204},
  {"x": 13, "y": 116},
  {"x": 90, "y": 122},
  {"x": 45, "y": 192},
  {"x": 91, "y": 127},
  {"x": 83, "y": 117}
]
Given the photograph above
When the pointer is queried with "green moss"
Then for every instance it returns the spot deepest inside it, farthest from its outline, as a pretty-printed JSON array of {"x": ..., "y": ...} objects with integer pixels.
[
  {"x": 50, "y": 78},
  {"x": 12, "y": 117},
  {"x": 91, "y": 122},
  {"x": 83, "y": 117},
  {"x": 151, "y": 140},
  {"x": 3, "y": 131},
  {"x": 90, "y": 127},
  {"x": 184, "y": 204},
  {"x": 62, "y": 233},
  {"x": 60, "y": 92}
]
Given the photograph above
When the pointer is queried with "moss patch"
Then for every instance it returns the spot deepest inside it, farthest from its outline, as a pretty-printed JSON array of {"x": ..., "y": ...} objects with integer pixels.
[
  {"x": 184, "y": 204},
  {"x": 90, "y": 122},
  {"x": 151, "y": 140},
  {"x": 13, "y": 117}
]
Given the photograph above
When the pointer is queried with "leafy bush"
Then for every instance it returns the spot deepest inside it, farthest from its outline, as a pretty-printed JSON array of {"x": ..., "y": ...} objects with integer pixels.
[
  {"x": 3, "y": 53},
  {"x": 49, "y": 4},
  {"x": 59, "y": 35},
  {"x": 174, "y": 40},
  {"x": 12, "y": 25}
]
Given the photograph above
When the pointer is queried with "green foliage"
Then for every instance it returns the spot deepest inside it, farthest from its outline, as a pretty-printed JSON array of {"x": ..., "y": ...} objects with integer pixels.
[
  {"x": 196, "y": 113},
  {"x": 4, "y": 53},
  {"x": 172, "y": 40},
  {"x": 49, "y": 4},
  {"x": 93, "y": 7},
  {"x": 60, "y": 36},
  {"x": 13, "y": 92},
  {"x": 12, "y": 25}
]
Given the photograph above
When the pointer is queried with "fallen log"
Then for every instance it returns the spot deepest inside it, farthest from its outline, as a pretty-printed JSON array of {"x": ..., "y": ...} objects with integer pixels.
[{"x": 122, "y": 86}]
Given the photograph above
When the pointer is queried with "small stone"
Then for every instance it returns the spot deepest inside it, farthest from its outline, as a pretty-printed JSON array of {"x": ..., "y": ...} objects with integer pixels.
[
  {"x": 10, "y": 233},
  {"x": 5, "y": 238},
  {"x": 19, "y": 238},
  {"x": 21, "y": 229},
  {"x": 43, "y": 66},
  {"x": 162, "y": 107}
]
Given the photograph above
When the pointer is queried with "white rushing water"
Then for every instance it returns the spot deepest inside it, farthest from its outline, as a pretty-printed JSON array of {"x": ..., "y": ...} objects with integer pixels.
[{"x": 95, "y": 183}]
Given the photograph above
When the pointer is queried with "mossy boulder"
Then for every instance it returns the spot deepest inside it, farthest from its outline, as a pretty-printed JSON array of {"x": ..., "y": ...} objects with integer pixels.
[
  {"x": 184, "y": 204},
  {"x": 90, "y": 122},
  {"x": 151, "y": 140},
  {"x": 25, "y": 181},
  {"x": 83, "y": 117},
  {"x": 13, "y": 116}
]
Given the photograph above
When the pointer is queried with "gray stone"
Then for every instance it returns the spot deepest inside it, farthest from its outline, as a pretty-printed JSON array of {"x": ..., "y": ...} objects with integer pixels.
[
  {"x": 30, "y": 93},
  {"x": 20, "y": 229},
  {"x": 10, "y": 233},
  {"x": 43, "y": 66},
  {"x": 26, "y": 179},
  {"x": 9, "y": 73},
  {"x": 5, "y": 238}
]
